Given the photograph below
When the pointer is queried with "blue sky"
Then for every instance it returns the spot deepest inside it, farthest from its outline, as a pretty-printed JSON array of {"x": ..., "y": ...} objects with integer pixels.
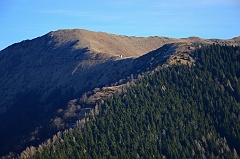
[{"x": 27, "y": 19}]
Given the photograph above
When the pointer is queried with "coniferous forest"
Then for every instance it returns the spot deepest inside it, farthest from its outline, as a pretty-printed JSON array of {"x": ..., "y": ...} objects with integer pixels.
[{"x": 178, "y": 112}]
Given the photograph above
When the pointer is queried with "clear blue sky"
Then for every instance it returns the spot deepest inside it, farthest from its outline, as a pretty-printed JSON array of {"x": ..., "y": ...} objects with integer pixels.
[{"x": 27, "y": 19}]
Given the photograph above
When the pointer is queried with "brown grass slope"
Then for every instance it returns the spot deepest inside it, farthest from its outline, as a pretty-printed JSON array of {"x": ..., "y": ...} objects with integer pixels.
[
  {"x": 128, "y": 46},
  {"x": 110, "y": 44}
]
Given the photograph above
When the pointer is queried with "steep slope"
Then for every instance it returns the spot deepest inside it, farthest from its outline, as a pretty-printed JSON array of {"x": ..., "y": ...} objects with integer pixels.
[
  {"x": 40, "y": 76},
  {"x": 176, "y": 112}
]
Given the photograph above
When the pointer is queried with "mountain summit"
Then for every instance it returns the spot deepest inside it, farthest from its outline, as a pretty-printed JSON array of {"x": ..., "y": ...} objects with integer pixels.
[
  {"x": 109, "y": 44},
  {"x": 128, "y": 46}
]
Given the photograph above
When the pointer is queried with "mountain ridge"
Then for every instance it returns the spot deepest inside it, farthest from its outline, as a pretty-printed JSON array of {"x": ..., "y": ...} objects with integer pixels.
[{"x": 100, "y": 41}]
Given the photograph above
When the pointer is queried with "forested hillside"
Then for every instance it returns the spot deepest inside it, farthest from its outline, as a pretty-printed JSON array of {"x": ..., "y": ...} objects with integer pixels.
[{"x": 177, "y": 112}]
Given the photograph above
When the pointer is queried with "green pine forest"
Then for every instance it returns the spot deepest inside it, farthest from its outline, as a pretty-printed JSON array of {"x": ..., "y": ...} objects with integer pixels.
[{"x": 178, "y": 112}]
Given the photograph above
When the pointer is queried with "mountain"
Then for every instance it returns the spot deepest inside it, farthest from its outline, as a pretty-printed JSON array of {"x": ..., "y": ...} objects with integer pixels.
[{"x": 39, "y": 76}]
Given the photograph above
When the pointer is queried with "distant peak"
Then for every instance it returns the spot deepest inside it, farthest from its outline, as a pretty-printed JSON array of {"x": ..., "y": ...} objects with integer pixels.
[{"x": 109, "y": 44}]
